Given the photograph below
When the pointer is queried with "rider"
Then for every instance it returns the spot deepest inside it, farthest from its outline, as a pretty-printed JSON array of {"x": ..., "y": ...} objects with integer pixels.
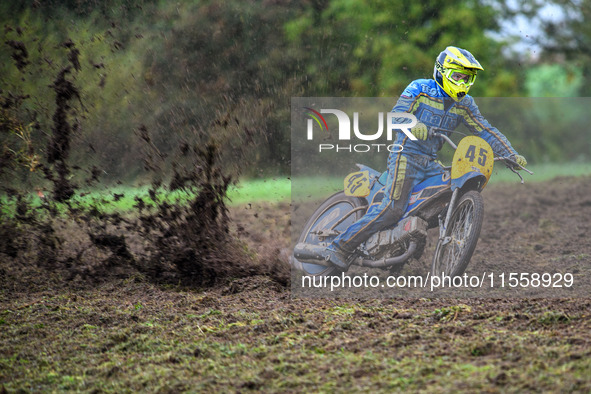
[{"x": 442, "y": 102}]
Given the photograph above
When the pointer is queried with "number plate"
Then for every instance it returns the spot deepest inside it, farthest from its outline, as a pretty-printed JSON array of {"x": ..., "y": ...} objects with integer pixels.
[
  {"x": 357, "y": 184},
  {"x": 473, "y": 154}
]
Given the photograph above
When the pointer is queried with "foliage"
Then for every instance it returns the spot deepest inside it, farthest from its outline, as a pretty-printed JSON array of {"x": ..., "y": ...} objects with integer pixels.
[
  {"x": 564, "y": 35},
  {"x": 220, "y": 69},
  {"x": 554, "y": 80},
  {"x": 41, "y": 47},
  {"x": 570, "y": 36},
  {"x": 187, "y": 70},
  {"x": 370, "y": 48}
]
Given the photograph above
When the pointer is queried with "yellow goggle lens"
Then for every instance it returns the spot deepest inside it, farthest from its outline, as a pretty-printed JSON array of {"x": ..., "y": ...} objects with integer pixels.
[{"x": 459, "y": 77}]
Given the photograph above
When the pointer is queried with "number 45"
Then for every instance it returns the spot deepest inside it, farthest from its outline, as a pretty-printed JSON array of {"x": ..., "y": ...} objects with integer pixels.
[{"x": 471, "y": 152}]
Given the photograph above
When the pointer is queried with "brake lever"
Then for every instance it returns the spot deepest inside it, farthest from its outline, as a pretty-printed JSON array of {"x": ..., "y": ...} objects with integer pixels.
[
  {"x": 518, "y": 174},
  {"x": 511, "y": 164}
]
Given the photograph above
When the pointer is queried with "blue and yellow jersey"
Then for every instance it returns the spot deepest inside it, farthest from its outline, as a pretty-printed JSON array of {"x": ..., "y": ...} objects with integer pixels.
[{"x": 433, "y": 107}]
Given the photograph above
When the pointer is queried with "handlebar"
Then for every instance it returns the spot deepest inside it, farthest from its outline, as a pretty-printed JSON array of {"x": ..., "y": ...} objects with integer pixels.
[
  {"x": 434, "y": 133},
  {"x": 509, "y": 162}
]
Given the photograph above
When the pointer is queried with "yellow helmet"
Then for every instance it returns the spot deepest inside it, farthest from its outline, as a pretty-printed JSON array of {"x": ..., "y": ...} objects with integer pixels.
[{"x": 455, "y": 71}]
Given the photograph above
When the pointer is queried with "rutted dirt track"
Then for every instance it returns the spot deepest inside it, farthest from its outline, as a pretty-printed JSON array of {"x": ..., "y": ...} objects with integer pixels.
[{"x": 250, "y": 334}]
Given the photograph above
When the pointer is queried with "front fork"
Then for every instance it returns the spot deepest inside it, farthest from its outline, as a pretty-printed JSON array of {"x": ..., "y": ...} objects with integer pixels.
[{"x": 444, "y": 238}]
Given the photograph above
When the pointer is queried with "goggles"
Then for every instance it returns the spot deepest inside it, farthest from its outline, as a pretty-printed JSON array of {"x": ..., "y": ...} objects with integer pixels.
[{"x": 460, "y": 77}]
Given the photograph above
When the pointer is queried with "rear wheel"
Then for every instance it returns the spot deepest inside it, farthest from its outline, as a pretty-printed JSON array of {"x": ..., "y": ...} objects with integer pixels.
[
  {"x": 454, "y": 252},
  {"x": 323, "y": 219}
]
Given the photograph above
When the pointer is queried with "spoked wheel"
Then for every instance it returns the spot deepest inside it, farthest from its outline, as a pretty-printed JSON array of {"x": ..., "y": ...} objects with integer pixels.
[
  {"x": 332, "y": 217},
  {"x": 454, "y": 252}
]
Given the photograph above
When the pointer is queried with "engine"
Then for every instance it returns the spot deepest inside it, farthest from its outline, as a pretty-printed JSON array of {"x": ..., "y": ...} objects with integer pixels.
[{"x": 388, "y": 242}]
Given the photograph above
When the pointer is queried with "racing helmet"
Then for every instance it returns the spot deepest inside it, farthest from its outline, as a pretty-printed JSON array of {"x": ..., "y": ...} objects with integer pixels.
[{"x": 455, "y": 71}]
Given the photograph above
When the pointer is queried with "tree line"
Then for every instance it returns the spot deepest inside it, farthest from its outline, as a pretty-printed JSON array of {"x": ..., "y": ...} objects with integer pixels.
[{"x": 190, "y": 71}]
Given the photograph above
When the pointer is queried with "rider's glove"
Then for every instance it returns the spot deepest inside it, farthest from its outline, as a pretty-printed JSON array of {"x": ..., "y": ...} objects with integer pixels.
[
  {"x": 420, "y": 131},
  {"x": 519, "y": 160}
]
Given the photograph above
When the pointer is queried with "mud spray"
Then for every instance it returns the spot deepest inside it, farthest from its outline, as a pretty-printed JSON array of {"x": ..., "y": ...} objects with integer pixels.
[{"x": 63, "y": 242}]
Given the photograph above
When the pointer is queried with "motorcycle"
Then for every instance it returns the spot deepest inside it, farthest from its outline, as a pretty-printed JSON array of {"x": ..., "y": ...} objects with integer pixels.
[{"x": 451, "y": 201}]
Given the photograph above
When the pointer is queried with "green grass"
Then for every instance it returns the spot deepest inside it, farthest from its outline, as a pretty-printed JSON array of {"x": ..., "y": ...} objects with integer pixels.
[
  {"x": 304, "y": 187},
  {"x": 280, "y": 189},
  {"x": 267, "y": 190},
  {"x": 123, "y": 198}
]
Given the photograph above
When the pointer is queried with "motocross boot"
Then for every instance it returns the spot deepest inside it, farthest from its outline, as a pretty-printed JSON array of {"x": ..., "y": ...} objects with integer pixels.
[{"x": 339, "y": 258}]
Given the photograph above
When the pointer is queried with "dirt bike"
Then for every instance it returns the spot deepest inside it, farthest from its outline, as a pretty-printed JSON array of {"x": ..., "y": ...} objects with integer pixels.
[{"x": 451, "y": 201}]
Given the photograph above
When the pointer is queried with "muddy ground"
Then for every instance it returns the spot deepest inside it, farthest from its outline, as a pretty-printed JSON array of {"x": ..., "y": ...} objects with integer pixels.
[{"x": 250, "y": 333}]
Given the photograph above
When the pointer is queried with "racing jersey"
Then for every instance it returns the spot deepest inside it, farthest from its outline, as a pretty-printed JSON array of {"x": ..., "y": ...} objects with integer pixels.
[{"x": 432, "y": 106}]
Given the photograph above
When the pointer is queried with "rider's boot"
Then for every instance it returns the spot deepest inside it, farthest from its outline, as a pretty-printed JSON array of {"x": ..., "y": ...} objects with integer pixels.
[{"x": 339, "y": 257}]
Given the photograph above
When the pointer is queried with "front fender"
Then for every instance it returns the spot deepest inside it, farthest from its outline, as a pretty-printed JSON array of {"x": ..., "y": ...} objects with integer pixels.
[{"x": 473, "y": 180}]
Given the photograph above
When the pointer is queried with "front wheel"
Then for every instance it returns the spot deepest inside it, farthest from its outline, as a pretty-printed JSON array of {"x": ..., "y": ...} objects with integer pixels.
[
  {"x": 337, "y": 213},
  {"x": 453, "y": 253}
]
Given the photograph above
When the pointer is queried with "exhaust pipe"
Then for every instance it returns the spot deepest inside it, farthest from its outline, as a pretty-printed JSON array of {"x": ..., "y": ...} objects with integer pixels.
[
  {"x": 316, "y": 254},
  {"x": 386, "y": 263}
]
